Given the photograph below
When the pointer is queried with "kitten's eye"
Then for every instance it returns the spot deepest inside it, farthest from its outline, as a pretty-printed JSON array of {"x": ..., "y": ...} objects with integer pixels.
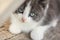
[
  {"x": 32, "y": 14},
  {"x": 19, "y": 10}
]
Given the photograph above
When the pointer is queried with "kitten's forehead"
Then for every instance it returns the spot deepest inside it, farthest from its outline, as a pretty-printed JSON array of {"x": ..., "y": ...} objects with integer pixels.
[
  {"x": 27, "y": 9},
  {"x": 37, "y": 5}
]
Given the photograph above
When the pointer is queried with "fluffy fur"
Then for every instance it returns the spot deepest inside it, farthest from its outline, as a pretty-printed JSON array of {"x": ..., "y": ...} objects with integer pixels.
[{"x": 35, "y": 17}]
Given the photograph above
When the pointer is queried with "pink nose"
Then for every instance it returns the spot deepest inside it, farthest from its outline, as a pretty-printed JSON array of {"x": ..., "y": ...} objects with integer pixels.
[{"x": 23, "y": 19}]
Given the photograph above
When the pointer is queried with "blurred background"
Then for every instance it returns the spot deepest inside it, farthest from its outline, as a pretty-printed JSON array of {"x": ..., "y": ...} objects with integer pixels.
[{"x": 4, "y": 4}]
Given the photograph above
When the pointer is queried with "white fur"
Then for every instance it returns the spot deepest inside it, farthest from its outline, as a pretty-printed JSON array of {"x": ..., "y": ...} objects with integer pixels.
[
  {"x": 17, "y": 26},
  {"x": 38, "y": 32},
  {"x": 45, "y": 11},
  {"x": 54, "y": 22}
]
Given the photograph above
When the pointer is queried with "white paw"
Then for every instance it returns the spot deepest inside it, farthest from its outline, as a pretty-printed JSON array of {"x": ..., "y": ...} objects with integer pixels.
[
  {"x": 37, "y": 34},
  {"x": 14, "y": 29}
]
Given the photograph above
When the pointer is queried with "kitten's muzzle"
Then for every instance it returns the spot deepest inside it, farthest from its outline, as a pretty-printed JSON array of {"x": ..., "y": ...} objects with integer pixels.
[{"x": 23, "y": 20}]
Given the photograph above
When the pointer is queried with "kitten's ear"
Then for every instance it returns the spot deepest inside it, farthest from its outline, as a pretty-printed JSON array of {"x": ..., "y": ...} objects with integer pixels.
[{"x": 43, "y": 3}]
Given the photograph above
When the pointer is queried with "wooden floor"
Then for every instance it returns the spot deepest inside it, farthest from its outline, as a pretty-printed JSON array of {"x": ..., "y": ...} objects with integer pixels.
[
  {"x": 6, "y": 35},
  {"x": 52, "y": 34}
]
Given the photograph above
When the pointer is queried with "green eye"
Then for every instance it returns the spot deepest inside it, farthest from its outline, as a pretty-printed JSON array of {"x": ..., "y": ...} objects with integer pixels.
[
  {"x": 20, "y": 10},
  {"x": 32, "y": 14}
]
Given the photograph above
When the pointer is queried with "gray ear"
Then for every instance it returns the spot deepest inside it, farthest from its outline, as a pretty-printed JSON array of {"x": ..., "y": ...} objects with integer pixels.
[{"x": 43, "y": 3}]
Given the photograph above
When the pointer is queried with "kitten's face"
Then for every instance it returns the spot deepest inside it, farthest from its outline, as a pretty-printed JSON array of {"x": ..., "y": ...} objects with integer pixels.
[{"x": 31, "y": 11}]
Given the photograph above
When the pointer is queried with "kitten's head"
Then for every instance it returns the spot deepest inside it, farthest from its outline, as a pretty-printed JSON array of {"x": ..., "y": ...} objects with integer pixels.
[{"x": 32, "y": 11}]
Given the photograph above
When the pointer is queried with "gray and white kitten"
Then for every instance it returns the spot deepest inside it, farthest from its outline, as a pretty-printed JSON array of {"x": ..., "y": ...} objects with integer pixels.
[{"x": 36, "y": 17}]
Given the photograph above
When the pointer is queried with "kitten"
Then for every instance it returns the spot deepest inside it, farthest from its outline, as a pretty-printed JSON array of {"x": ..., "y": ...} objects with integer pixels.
[{"x": 36, "y": 17}]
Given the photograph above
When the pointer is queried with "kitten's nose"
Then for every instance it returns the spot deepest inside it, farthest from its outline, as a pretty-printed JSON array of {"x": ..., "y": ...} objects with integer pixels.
[{"x": 23, "y": 20}]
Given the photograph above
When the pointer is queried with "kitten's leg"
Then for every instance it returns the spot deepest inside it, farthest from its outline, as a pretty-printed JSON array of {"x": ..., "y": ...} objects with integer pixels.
[
  {"x": 14, "y": 29},
  {"x": 15, "y": 26},
  {"x": 38, "y": 33}
]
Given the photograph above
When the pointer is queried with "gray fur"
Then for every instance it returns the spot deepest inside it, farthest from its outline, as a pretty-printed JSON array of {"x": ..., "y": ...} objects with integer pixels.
[{"x": 37, "y": 5}]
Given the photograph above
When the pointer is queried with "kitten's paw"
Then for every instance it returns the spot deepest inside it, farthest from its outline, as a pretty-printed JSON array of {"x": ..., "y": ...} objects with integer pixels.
[
  {"x": 14, "y": 29},
  {"x": 36, "y": 34}
]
